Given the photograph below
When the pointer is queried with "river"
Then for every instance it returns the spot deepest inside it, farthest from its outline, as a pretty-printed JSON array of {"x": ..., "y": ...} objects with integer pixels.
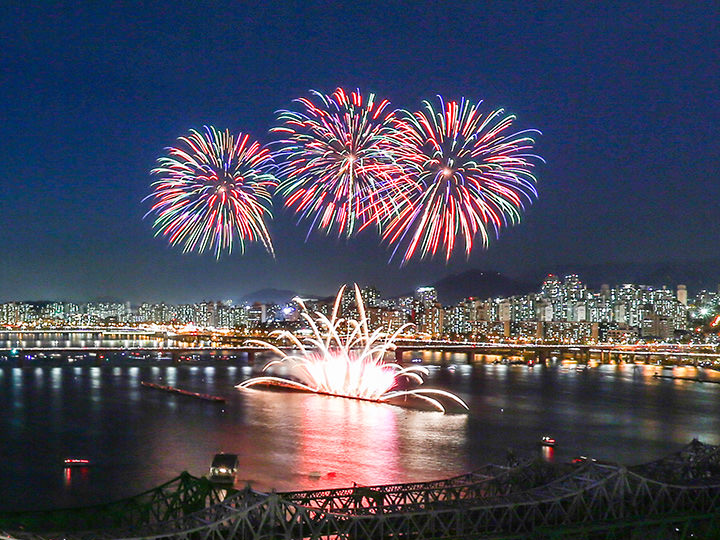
[{"x": 137, "y": 438}]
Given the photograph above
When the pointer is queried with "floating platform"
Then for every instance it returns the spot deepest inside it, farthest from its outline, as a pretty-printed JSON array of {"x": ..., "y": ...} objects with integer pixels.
[
  {"x": 174, "y": 390},
  {"x": 76, "y": 462},
  {"x": 681, "y": 378}
]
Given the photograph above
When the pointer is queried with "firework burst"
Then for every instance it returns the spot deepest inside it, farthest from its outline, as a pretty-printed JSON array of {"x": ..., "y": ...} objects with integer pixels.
[
  {"x": 343, "y": 358},
  {"x": 475, "y": 176},
  {"x": 213, "y": 193},
  {"x": 338, "y": 161}
]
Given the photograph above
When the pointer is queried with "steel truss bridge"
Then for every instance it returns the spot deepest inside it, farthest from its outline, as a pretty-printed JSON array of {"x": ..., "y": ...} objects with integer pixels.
[
  {"x": 582, "y": 352},
  {"x": 25, "y": 344},
  {"x": 675, "y": 497}
]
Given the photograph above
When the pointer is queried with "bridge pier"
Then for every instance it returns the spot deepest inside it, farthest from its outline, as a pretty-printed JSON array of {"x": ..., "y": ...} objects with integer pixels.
[
  {"x": 399, "y": 355},
  {"x": 251, "y": 358}
]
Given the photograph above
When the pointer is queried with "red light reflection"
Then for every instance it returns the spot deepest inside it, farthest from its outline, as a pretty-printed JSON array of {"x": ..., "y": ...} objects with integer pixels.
[
  {"x": 345, "y": 441},
  {"x": 73, "y": 472}
]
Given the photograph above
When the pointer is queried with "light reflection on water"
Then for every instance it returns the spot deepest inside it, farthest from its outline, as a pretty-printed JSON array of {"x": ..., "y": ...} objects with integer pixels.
[
  {"x": 56, "y": 377},
  {"x": 138, "y": 438},
  {"x": 171, "y": 375},
  {"x": 336, "y": 442}
]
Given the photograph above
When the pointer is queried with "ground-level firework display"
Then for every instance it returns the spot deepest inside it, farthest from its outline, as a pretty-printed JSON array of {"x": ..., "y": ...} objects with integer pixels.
[{"x": 343, "y": 358}]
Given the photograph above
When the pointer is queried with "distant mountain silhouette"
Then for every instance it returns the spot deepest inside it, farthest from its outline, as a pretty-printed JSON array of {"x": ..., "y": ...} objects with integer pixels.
[
  {"x": 269, "y": 296},
  {"x": 481, "y": 284},
  {"x": 490, "y": 284}
]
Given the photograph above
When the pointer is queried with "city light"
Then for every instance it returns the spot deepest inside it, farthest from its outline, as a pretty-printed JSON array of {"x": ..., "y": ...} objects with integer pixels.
[{"x": 563, "y": 310}]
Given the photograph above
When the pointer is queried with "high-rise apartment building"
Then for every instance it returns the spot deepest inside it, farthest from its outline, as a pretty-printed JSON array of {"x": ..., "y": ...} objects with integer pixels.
[{"x": 426, "y": 295}]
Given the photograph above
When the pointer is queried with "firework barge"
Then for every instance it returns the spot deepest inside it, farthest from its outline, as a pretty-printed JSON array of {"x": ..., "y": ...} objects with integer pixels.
[
  {"x": 296, "y": 387},
  {"x": 344, "y": 359},
  {"x": 174, "y": 390}
]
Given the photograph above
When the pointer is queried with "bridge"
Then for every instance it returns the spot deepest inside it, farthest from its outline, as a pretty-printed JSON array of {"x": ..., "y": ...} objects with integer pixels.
[
  {"x": 581, "y": 353},
  {"x": 64, "y": 342},
  {"x": 674, "y": 497}
]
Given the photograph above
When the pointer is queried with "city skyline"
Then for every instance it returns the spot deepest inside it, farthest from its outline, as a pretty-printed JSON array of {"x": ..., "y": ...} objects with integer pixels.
[
  {"x": 561, "y": 308},
  {"x": 624, "y": 98}
]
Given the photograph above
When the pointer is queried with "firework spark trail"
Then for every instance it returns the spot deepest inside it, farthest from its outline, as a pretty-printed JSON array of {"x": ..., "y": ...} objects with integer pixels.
[
  {"x": 475, "y": 176},
  {"x": 343, "y": 358},
  {"x": 338, "y": 161},
  {"x": 213, "y": 192}
]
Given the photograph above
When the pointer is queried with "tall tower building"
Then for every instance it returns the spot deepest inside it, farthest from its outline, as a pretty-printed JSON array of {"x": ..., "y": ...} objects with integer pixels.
[
  {"x": 370, "y": 296},
  {"x": 551, "y": 287},
  {"x": 431, "y": 320},
  {"x": 426, "y": 295},
  {"x": 348, "y": 303},
  {"x": 682, "y": 294}
]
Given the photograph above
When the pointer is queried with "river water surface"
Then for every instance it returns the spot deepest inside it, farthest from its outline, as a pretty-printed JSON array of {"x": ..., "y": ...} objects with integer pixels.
[{"x": 138, "y": 438}]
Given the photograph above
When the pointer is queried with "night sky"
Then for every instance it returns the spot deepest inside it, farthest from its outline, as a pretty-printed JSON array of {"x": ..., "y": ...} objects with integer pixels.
[{"x": 627, "y": 100}]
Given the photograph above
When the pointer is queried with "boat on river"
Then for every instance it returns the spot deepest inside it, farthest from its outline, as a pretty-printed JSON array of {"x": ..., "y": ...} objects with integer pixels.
[
  {"x": 223, "y": 468},
  {"x": 76, "y": 462},
  {"x": 548, "y": 441}
]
